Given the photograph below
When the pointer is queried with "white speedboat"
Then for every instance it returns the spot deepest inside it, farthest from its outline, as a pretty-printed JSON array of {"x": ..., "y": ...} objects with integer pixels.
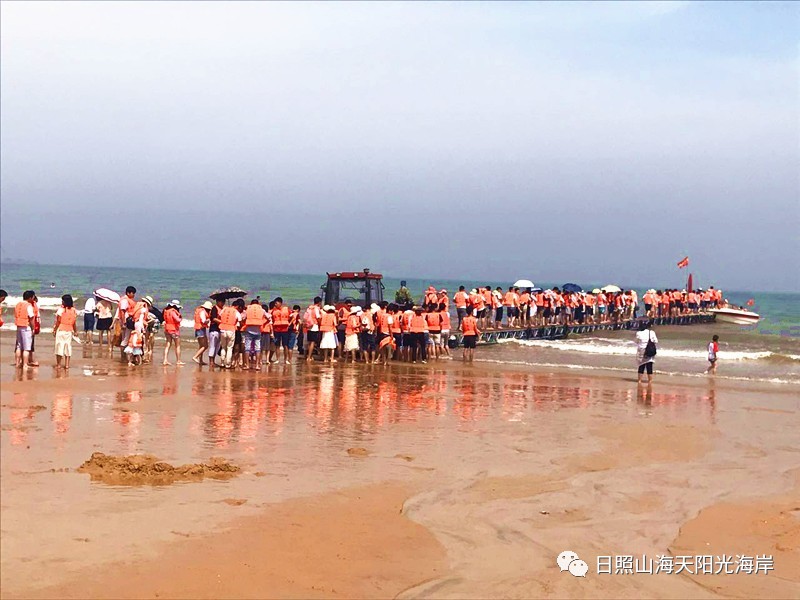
[{"x": 736, "y": 316}]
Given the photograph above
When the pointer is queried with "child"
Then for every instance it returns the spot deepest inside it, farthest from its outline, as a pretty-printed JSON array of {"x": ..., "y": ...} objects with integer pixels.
[
  {"x": 64, "y": 329},
  {"x": 470, "y": 331},
  {"x": 172, "y": 330},
  {"x": 134, "y": 347},
  {"x": 713, "y": 348}
]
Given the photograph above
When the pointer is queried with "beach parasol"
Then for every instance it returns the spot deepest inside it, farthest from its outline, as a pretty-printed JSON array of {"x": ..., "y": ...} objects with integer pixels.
[
  {"x": 612, "y": 288},
  {"x": 227, "y": 293},
  {"x": 106, "y": 294},
  {"x": 523, "y": 283},
  {"x": 571, "y": 288}
]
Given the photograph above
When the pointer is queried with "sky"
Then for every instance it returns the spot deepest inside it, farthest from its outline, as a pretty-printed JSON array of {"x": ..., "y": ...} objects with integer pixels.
[{"x": 551, "y": 141}]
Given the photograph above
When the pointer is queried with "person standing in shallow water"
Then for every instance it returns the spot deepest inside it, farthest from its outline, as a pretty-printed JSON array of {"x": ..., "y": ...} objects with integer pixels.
[
  {"x": 713, "y": 348},
  {"x": 646, "y": 345}
]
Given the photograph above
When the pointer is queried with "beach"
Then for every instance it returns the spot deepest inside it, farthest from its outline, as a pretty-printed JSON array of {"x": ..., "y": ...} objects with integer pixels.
[{"x": 438, "y": 480}]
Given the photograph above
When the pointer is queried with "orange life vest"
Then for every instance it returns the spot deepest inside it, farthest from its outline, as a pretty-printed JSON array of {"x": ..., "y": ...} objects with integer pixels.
[
  {"x": 418, "y": 324},
  {"x": 353, "y": 325},
  {"x": 445, "y": 317},
  {"x": 228, "y": 318},
  {"x": 68, "y": 318},
  {"x": 21, "y": 318},
  {"x": 469, "y": 326},
  {"x": 327, "y": 322},
  {"x": 254, "y": 315},
  {"x": 199, "y": 323},
  {"x": 460, "y": 299},
  {"x": 434, "y": 321},
  {"x": 280, "y": 319}
]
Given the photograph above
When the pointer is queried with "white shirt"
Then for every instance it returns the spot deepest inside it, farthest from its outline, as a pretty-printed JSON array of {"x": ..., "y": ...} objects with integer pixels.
[
  {"x": 89, "y": 307},
  {"x": 318, "y": 315},
  {"x": 642, "y": 337}
]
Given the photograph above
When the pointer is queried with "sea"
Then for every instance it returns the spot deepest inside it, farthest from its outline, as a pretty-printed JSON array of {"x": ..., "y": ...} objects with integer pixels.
[{"x": 768, "y": 352}]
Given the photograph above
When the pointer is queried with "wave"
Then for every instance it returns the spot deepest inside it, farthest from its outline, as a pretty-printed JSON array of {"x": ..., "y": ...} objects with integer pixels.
[
  {"x": 627, "y": 348},
  {"x": 45, "y": 302},
  {"x": 628, "y": 371}
]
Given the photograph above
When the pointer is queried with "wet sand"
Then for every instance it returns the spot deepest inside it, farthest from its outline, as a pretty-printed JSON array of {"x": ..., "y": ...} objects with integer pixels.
[{"x": 441, "y": 480}]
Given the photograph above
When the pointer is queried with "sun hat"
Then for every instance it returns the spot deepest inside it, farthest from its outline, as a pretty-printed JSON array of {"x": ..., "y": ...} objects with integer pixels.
[
  {"x": 442, "y": 291},
  {"x": 176, "y": 303},
  {"x": 207, "y": 305},
  {"x": 354, "y": 310},
  {"x": 328, "y": 308},
  {"x": 148, "y": 299},
  {"x": 374, "y": 307}
]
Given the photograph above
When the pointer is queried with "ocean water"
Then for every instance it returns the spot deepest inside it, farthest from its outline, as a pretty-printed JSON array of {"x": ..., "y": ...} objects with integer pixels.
[{"x": 768, "y": 352}]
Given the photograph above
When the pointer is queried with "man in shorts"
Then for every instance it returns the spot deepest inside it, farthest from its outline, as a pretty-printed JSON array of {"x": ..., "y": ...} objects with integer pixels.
[
  {"x": 213, "y": 332},
  {"x": 24, "y": 316},
  {"x": 89, "y": 308}
]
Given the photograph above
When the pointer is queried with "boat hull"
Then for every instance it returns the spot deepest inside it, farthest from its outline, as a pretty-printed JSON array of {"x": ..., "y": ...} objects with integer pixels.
[{"x": 735, "y": 317}]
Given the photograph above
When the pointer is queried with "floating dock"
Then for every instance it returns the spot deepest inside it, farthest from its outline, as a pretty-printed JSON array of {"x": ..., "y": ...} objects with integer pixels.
[{"x": 559, "y": 332}]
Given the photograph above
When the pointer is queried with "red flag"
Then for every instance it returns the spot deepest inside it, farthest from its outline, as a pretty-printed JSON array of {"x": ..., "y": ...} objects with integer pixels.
[
  {"x": 751, "y": 302},
  {"x": 684, "y": 262}
]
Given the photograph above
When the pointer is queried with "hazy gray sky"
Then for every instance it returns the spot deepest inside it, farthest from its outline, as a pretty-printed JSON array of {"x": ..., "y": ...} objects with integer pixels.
[{"x": 589, "y": 142}]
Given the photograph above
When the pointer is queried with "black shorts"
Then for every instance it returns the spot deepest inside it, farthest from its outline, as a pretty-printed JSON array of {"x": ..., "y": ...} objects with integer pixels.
[
  {"x": 313, "y": 337},
  {"x": 281, "y": 338},
  {"x": 498, "y": 314},
  {"x": 88, "y": 322},
  {"x": 548, "y": 312},
  {"x": 470, "y": 341},
  {"x": 237, "y": 338},
  {"x": 648, "y": 366},
  {"x": 367, "y": 340},
  {"x": 104, "y": 324},
  {"x": 407, "y": 340},
  {"x": 482, "y": 313},
  {"x": 398, "y": 340}
]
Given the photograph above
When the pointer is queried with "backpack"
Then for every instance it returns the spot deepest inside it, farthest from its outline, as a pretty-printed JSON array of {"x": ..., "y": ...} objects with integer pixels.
[
  {"x": 308, "y": 318},
  {"x": 650, "y": 349}
]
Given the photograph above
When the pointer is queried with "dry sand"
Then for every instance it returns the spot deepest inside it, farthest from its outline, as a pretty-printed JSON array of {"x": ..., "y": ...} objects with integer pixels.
[{"x": 446, "y": 481}]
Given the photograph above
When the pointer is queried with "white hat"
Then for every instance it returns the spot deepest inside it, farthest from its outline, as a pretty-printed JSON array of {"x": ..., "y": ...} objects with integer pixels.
[
  {"x": 328, "y": 308},
  {"x": 374, "y": 307},
  {"x": 148, "y": 299},
  {"x": 207, "y": 305},
  {"x": 354, "y": 310},
  {"x": 176, "y": 303}
]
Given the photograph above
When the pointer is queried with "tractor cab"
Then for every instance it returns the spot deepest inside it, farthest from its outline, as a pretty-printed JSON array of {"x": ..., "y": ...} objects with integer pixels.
[{"x": 361, "y": 288}]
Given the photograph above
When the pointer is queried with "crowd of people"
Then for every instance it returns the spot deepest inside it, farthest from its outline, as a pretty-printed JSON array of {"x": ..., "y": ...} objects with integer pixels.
[
  {"x": 533, "y": 307},
  {"x": 247, "y": 335}
]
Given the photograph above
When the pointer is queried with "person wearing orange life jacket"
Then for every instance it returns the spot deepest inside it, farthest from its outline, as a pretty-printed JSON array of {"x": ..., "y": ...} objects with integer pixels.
[
  {"x": 442, "y": 298},
  {"x": 384, "y": 320},
  {"x": 396, "y": 329},
  {"x": 63, "y": 330},
  {"x": 201, "y": 322},
  {"x": 417, "y": 328},
  {"x": 460, "y": 300},
  {"x": 469, "y": 337},
  {"x": 352, "y": 328},
  {"x": 254, "y": 319},
  {"x": 433, "y": 319},
  {"x": 295, "y": 322},
  {"x": 239, "y": 355},
  {"x": 368, "y": 335},
  {"x": 311, "y": 320},
  {"x": 327, "y": 326},
  {"x": 36, "y": 327},
  {"x": 228, "y": 322},
  {"x": 24, "y": 316},
  {"x": 444, "y": 318},
  {"x": 486, "y": 312},
  {"x": 172, "y": 327},
  {"x": 431, "y": 297},
  {"x": 524, "y": 307},
  {"x": 510, "y": 308},
  {"x": 280, "y": 327},
  {"x": 267, "y": 340},
  {"x": 124, "y": 312},
  {"x": 342, "y": 314}
]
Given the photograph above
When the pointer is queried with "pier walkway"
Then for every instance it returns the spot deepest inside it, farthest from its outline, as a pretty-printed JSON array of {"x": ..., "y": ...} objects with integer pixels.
[{"x": 558, "y": 332}]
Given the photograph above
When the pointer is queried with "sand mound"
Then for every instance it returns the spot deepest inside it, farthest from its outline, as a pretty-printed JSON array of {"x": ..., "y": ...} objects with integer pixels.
[
  {"x": 142, "y": 469},
  {"x": 358, "y": 452}
]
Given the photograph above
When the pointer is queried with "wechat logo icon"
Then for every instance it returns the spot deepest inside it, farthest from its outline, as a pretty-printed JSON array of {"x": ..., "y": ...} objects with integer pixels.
[{"x": 569, "y": 561}]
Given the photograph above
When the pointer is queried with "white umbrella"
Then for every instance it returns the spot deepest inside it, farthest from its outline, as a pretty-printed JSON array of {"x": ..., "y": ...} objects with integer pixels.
[
  {"x": 524, "y": 283},
  {"x": 106, "y": 294},
  {"x": 612, "y": 288}
]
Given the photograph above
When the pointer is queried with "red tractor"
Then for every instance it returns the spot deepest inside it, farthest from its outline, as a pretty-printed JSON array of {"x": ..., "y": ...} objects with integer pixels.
[{"x": 361, "y": 288}]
